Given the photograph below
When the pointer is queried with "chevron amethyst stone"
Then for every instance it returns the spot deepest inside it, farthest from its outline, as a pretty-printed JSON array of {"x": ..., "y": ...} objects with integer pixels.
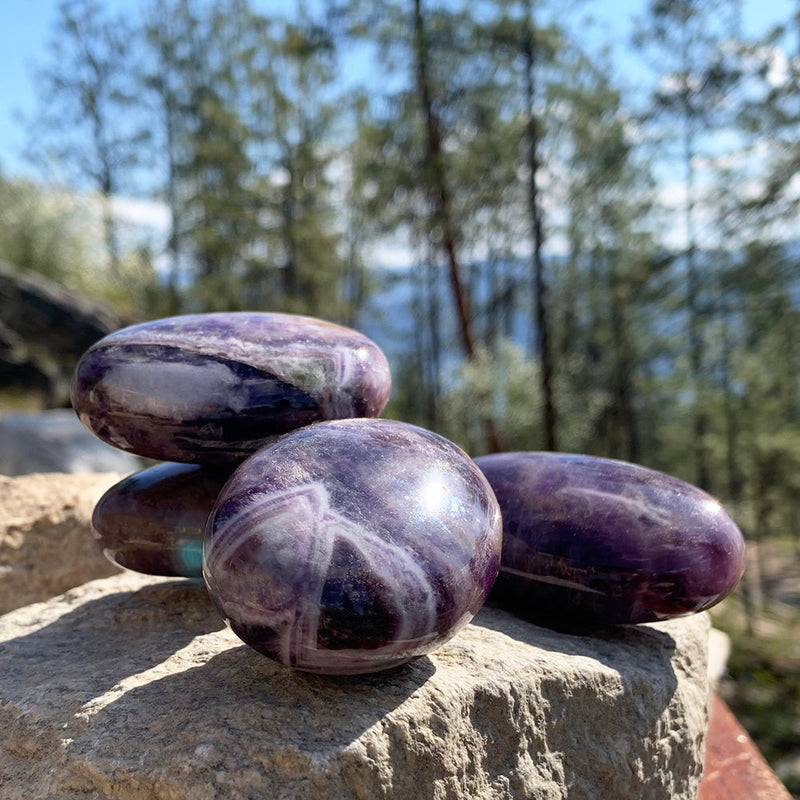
[
  {"x": 595, "y": 541},
  {"x": 212, "y": 388},
  {"x": 153, "y": 520},
  {"x": 352, "y": 546}
]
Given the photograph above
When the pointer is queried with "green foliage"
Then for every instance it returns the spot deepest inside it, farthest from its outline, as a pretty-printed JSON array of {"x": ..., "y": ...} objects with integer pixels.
[
  {"x": 56, "y": 235},
  {"x": 42, "y": 232},
  {"x": 84, "y": 123},
  {"x": 500, "y": 385},
  {"x": 279, "y": 180}
]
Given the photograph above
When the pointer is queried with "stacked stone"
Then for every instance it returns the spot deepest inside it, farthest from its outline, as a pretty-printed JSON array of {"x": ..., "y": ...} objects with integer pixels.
[
  {"x": 336, "y": 542},
  {"x": 329, "y": 540}
]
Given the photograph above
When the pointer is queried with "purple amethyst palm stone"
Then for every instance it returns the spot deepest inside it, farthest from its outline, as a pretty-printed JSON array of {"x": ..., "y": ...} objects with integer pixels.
[
  {"x": 595, "y": 541},
  {"x": 153, "y": 520},
  {"x": 214, "y": 388},
  {"x": 352, "y": 546}
]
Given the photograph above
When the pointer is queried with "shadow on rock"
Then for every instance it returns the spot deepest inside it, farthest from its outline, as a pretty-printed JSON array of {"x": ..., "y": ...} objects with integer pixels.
[
  {"x": 636, "y": 653},
  {"x": 242, "y": 711},
  {"x": 82, "y": 654},
  {"x": 133, "y": 676},
  {"x": 608, "y": 644}
]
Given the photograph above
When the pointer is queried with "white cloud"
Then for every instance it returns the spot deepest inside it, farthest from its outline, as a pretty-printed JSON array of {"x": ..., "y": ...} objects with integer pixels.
[
  {"x": 390, "y": 253},
  {"x": 778, "y": 69},
  {"x": 151, "y": 214},
  {"x": 675, "y": 83},
  {"x": 141, "y": 222},
  {"x": 773, "y": 62}
]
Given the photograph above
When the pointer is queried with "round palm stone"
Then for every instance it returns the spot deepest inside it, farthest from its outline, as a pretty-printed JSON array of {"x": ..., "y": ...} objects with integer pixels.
[
  {"x": 153, "y": 520},
  {"x": 211, "y": 388},
  {"x": 352, "y": 546},
  {"x": 596, "y": 541}
]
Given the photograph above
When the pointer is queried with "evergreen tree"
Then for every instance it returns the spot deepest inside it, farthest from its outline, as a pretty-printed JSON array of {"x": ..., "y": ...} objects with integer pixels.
[
  {"x": 304, "y": 264},
  {"x": 167, "y": 74},
  {"x": 605, "y": 291},
  {"x": 86, "y": 121},
  {"x": 216, "y": 171},
  {"x": 686, "y": 39}
]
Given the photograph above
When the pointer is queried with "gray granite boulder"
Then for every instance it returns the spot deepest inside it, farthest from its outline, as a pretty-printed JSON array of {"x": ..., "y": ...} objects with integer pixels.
[{"x": 130, "y": 688}]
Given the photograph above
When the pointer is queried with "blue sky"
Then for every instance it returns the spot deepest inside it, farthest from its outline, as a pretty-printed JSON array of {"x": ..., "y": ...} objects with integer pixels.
[{"x": 26, "y": 25}]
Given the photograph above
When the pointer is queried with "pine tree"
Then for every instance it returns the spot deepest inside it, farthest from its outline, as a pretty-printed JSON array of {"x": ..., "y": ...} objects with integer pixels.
[
  {"x": 531, "y": 47},
  {"x": 306, "y": 266},
  {"x": 167, "y": 74},
  {"x": 87, "y": 122},
  {"x": 685, "y": 37},
  {"x": 606, "y": 287}
]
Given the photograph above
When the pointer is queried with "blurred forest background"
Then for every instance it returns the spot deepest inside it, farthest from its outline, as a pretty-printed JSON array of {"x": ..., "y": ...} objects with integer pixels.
[{"x": 552, "y": 258}]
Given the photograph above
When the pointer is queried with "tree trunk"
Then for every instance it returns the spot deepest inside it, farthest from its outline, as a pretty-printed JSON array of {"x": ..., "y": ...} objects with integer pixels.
[
  {"x": 623, "y": 388},
  {"x": 441, "y": 201},
  {"x": 751, "y": 589},
  {"x": 107, "y": 188},
  {"x": 699, "y": 416},
  {"x": 493, "y": 310},
  {"x": 173, "y": 243},
  {"x": 734, "y": 475},
  {"x": 420, "y": 401},
  {"x": 433, "y": 318},
  {"x": 532, "y": 136}
]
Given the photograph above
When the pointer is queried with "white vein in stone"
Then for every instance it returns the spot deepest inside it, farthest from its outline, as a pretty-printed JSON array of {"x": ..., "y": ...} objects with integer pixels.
[{"x": 301, "y": 518}]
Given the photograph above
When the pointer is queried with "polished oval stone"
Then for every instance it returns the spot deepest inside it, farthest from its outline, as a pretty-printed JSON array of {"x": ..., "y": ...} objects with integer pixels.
[
  {"x": 352, "y": 546},
  {"x": 153, "y": 520},
  {"x": 209, "y": 388},
  {"x": 596, "y": 541}
]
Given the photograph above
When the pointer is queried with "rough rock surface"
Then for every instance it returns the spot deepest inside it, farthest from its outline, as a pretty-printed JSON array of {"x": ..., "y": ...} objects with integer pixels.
[
  {"x": 46, "y": 543},
  {"x": 129, "y": 688}
]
